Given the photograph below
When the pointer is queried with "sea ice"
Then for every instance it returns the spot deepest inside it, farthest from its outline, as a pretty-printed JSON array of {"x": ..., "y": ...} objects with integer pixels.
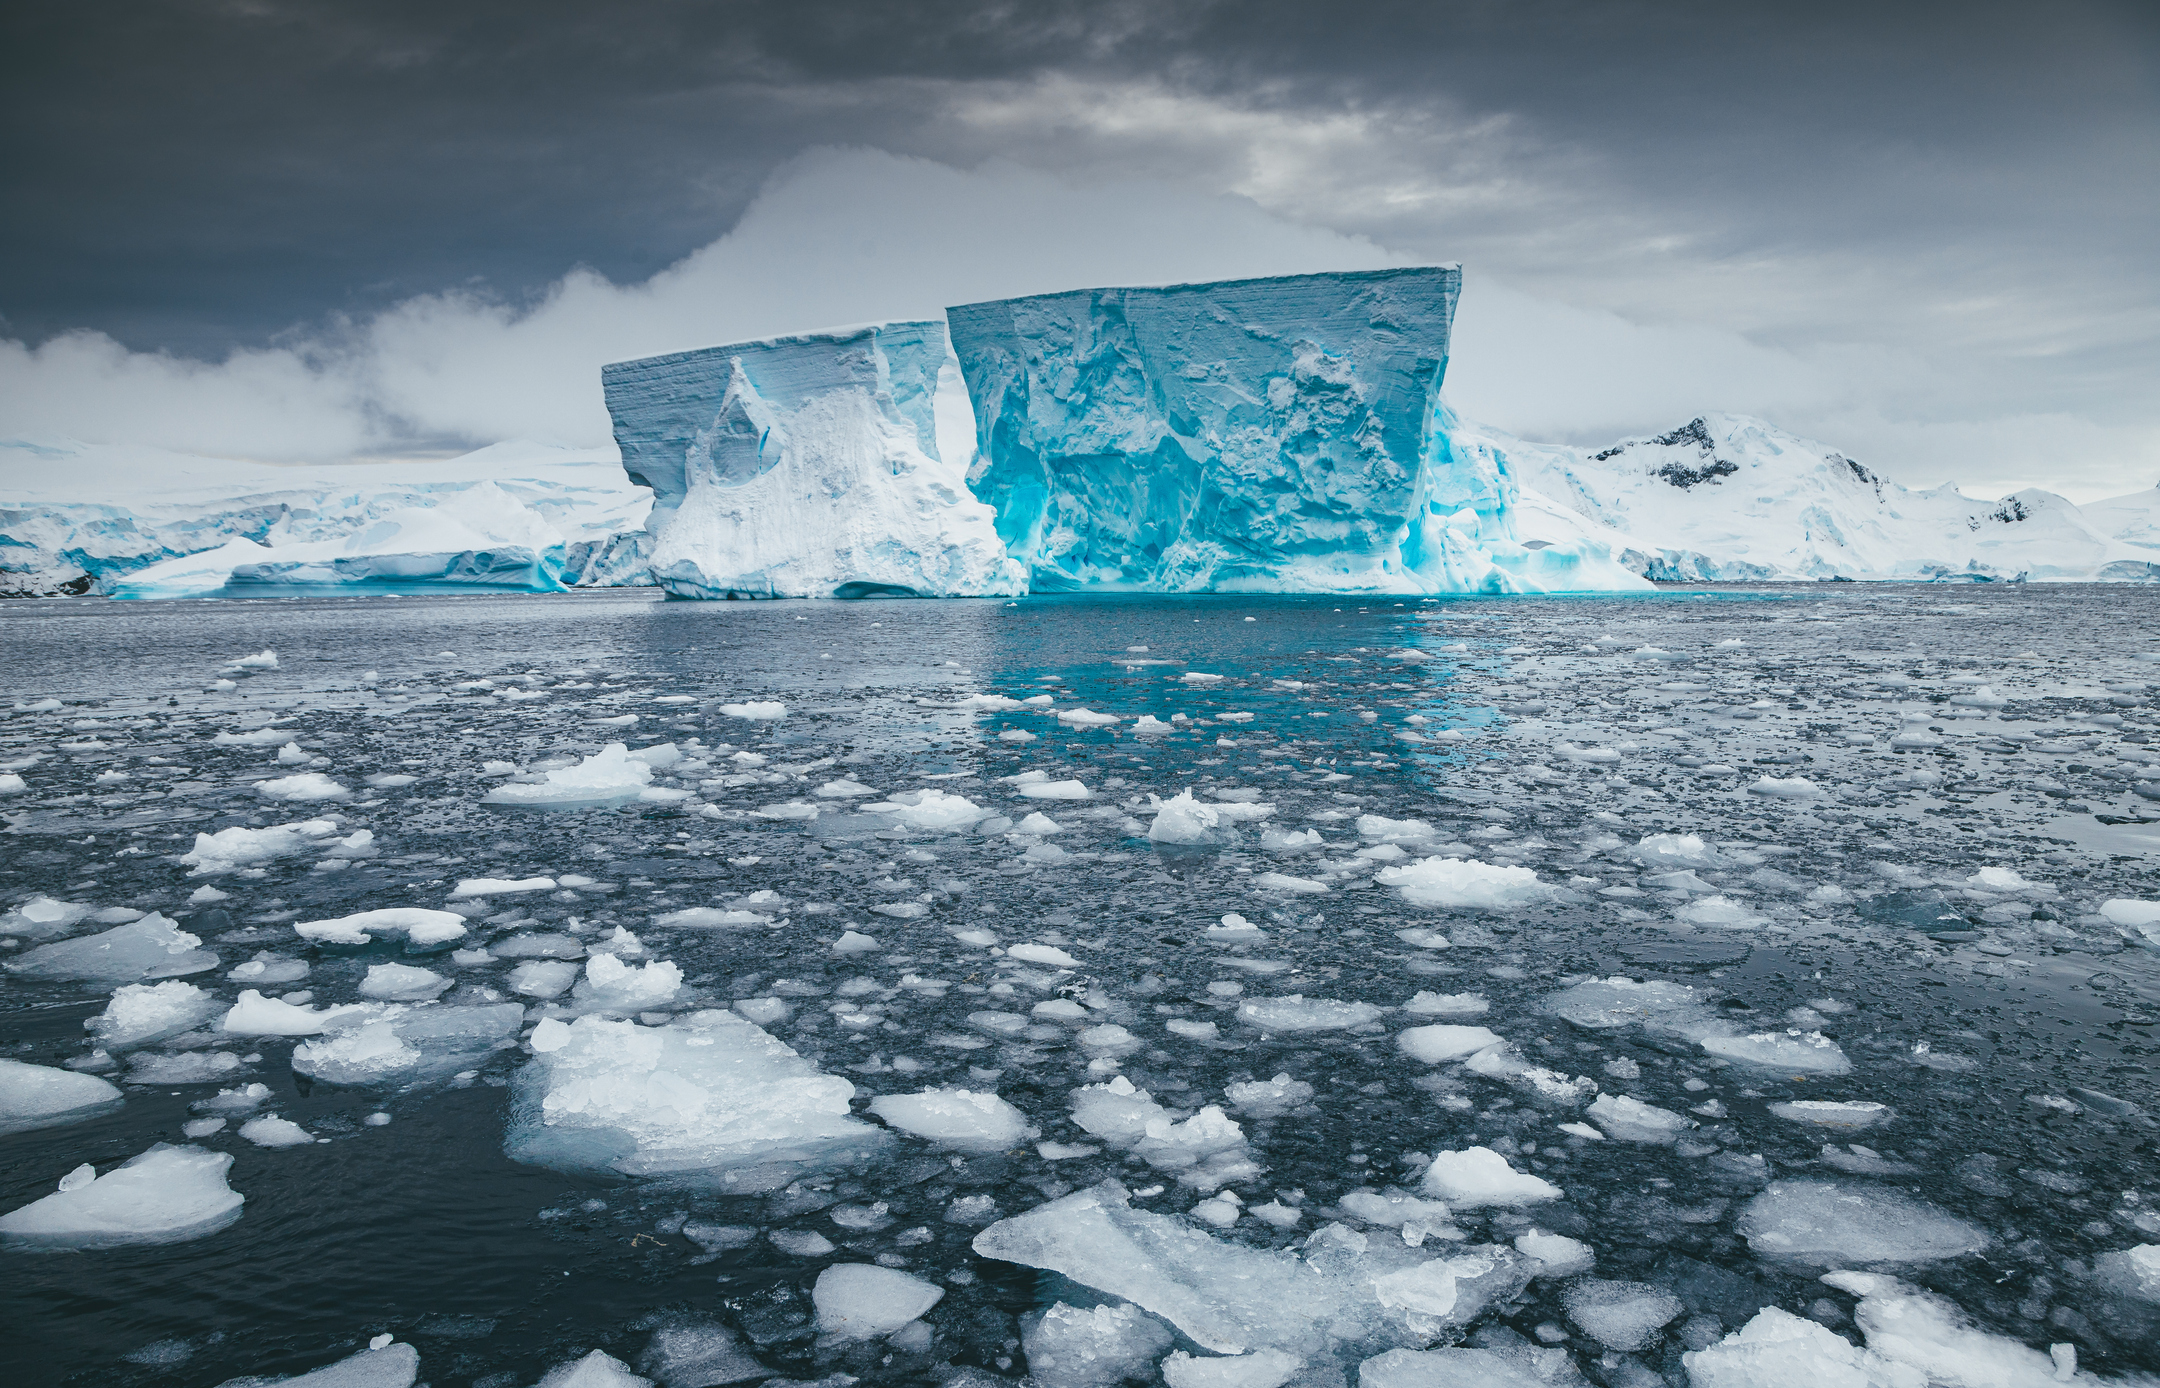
[
  {"x": 402, "y": 983},
  {"x": 611, "y": 984},
  {"x": 1465, "y": 884},
  {"x": 1557, "y": 1255},
  {"x": 164, "y": 1195},
  {"x": 252, "y": 1014},
  {"x": 230, "y": 850},
  {"x": 957, "y": 1118},
  {"x": 383, "y": 1364},
  {"x": 1266, "y": 1368},
  {"x": 610, "y": 776},
  {"x": 1296, "y": 1012},
  {"x": 1436, "y": 1044},
  {"x": 599, "y": 1369},
  {"x": 1100, "y": 1347},
  {"x": 1810, "y": 1052},
  {"x": 152, "y": 947},
  {"x": 861, "y": 1301},
  {"x": 1426, "y": 1004},
  {"x": 1631, "y": 1120},
  {"x": 804, "y": 467},
  {"x": 1855, "y": 1114},
  {"x": 41, "y": 918},
  {"x": 40, "y": 1096},
  {"x": 1778, "y": 1349},
  {"x": 1831, "y": 1223},
  {"x": 707, "y": 1096},
  {"x": 142, "y": 1013},
  {"x": 272, "y": 1131},
  {"x": 308, "y": 785},
  {"x": 1479, "y": 1176},
  {"x": 1444, "y": 1368},
  {"x": 422, "y": 1043},
  {"x": 1626, "y": 1316}
]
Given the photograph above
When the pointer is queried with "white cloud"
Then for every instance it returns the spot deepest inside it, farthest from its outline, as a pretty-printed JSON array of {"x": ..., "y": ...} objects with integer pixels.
[{"x": 856, "y": 235}]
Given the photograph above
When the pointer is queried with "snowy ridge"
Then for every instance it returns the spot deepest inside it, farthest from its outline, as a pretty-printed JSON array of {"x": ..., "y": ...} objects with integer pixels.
[
  {"x": 513, "y": 515},
  {"x": 1727, "y": 497}
]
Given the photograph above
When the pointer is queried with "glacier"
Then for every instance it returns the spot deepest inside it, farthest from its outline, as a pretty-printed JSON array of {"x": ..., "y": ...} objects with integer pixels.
[
  {"x": 804, "y": 466},
  {"x": 1267, "y": 435},
  {"x": 514, "y": 515}
]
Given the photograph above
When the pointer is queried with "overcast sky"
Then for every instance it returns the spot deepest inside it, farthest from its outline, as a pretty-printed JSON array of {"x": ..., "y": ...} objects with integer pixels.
[{"x": 1925, "y": 233}]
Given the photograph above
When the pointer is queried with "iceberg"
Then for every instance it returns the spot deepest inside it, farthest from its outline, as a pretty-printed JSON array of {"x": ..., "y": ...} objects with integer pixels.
[
  {"x": 1268, "y": 435},
  {"x": 515, "y": 515},
  {"x": 804, "y": 467}
]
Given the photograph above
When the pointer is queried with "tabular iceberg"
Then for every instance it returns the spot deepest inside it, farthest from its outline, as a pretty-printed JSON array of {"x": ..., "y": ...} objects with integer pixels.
[
  {"x": 1271, "y": 435},
  {"x": 804, "y": 467}
]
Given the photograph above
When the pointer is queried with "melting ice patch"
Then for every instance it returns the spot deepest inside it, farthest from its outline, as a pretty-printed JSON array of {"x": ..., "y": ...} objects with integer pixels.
[{"x": 166, "y": 1195}]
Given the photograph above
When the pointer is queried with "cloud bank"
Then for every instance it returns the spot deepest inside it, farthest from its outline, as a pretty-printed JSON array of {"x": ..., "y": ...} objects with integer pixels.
[{"x": 852, "y": 235}]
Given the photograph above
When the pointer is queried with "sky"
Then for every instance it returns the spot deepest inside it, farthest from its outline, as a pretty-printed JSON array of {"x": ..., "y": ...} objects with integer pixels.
[{"x": 1926, "y": 234}]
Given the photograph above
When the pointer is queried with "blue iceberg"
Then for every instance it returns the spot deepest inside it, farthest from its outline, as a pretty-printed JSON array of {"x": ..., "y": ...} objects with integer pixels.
[
  {"x": 1269, "y": 435},
  {"x": 804, "y": 467}
]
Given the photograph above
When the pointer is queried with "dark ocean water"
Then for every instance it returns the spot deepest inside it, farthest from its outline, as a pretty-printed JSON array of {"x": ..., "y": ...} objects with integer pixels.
[{"x": 2017, "y": 1029}]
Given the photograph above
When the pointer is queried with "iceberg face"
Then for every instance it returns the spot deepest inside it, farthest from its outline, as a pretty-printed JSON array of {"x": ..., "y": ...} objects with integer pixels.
[
  {"x": 804, "y": 467},
  {"x": 1274, "y": 435},
  {"x": 511, "y": 516}
]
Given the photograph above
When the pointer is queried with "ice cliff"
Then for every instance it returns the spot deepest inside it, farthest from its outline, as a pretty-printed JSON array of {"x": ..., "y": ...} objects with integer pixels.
[
  {"x": 1271, "y": 435},
  {"x": 144, "y": 522},
  {"x": 804, "y": 467}
]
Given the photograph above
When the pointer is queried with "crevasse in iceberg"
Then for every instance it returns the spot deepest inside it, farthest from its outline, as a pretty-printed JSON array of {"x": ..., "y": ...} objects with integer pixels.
[
  {"x": 1271, "y": 435},
  {"x": 804, "y": 467}
]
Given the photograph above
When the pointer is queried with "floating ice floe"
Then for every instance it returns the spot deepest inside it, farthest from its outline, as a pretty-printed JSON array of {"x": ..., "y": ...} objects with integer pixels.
[
  {"x": 614, "y": 775},
  {"x": 1296, "y": 1012},
  {"x": 1623, "y": 1316},
  {"x": 152, "y": 947},
  {"x": 1096, "y": 1347},
  {"x": 40, "y": 1096},
  {"x": 501, "y": 886},
  {"x": 1788, "y": 788},
  {"x": 423, "y": 929},
  {"x": 141, "y": 1014},
  {"x": 1426, "y": 1004},
  {"x": 707, "y": 1097},
  {"x": 42, "y": 917},
  {"x": 862, "y": 1301},
  {"x": 1830, "y": 1224},
  {"x": 1467, "y": 884},
  {"x": 1479, "y": 1176},
  {"x": 1437, "y": 1044},
  {"x": 165, "y": 1195},
  {"x": 934, "y": 811},
  {"x": 957, "y": 1118},
  {"x": 231, "y": 850},
  {"x": 255, "y": 1015},
  {"x": 308, "y": 785},
  {"x": 1825, "y": 1113},
  {"x": 756, "y": 711},
  {"x": 1631, "y": 1120},
  {"x": 1809, "y": 1052},
  {"x": 1209, "y": 1148},
  {"x": 407, "y": 1046},
  {"x": 402, "y": 983}
]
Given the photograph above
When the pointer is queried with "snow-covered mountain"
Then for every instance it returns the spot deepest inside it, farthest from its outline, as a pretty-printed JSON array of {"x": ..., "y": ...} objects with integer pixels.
[
  {"x": 131, "y": 521},
  {"x": 1728, "y": 497}
]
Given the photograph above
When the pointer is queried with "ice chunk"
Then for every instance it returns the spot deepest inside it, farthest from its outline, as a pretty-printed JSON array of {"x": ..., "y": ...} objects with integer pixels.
[
  {"x": 1479, "y": 1176},
  {"x": 1268, "y": 1098},
  {"x": 1665, "y": 851},
  {"x": 1809, "y": 1052},
  {"x": 152, "y": 947},
  {"x": 41, "y": 918},
  {"x": 696, "y": 1353},
  {"x": 165, "y": 1195},
  {"x": 1068, "y": 1347},
  {"x": 1626, "y": 1316},
  {"x": 611, "y": 776},
  {"x": 1830, "y": 1223},
  {"x": 1394, "y": 1208},
  {"x": 142, "y": 1013},
  {"x": 272, "y": 1131},
  {"x": 417, "y": 1044},
  {"x": 1447, "y": 1005},
  {"x": 383, "y": 1364},
  {"x": 1279, "y": 435},
  {"x": 2132, "y": 1271},
  {"x": 1050, "y": 955},
  {"x": 598, "y": 1369},
  {"x": 610, "y": 983},
  {"x": 1443, "y": 1368},
  {"x": 957, "y": 1118},
  {"x": 1465, "y": 884},
  {"x": 1295, "y": 1012},
  {"x": 756, "y": 711},
  {"x": 501, "y": 886},
  {"x": 1720, "y": 912},
  {"x": 1786, "y": 788},
  {"x": 1778, "y": 1349},
  {"x": 542, "y": 978},
  {"x": 229, "y": 850},
  {"x": 934, "y": 810},
  {"x": 804, "y": 467},
  {"x": 255, "y": 1015},
  {"x": 708, "y": 1096},
  {"x": 39, "y": 1096},
  {"x": 308, "y": 785},
  {"x": 1266, "y": 1368},
  {"x": 1858, "y": 1113},
  {"x": 1436, "y": 1044},
  {"x": 1631, "y": 1120},
  {"x": 1557, "y": 1255},
  {"x": 1184, "y": 819},
  {"x": 1607, "y": 1004},
  {"x": 861, "y": 1301},
  {"x": 1929, "y": 1336},
  {"x": 189, "y": 1067},
  {"x": 402, "y": 983}
]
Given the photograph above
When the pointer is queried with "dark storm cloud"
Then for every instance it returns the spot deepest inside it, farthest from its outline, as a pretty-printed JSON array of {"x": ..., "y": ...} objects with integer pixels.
[{"x": 1948, "y": 205}]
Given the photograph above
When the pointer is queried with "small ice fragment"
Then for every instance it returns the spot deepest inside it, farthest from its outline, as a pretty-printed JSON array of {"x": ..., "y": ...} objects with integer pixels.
[
  {"x": 961, "y": 1119},
  {"x": 861, "y": 1301},
  {"x": 272, "y": 1131},
  {"x": 41, "y": 1096},
  {"x": 1435, "y": 1045},
  {"x": 1479, "y": 1176},
  {"x": 1832, "y": 1223},
  {"x": 1100, "y": 1347},
  {"x": 165, "y": 1195}
]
